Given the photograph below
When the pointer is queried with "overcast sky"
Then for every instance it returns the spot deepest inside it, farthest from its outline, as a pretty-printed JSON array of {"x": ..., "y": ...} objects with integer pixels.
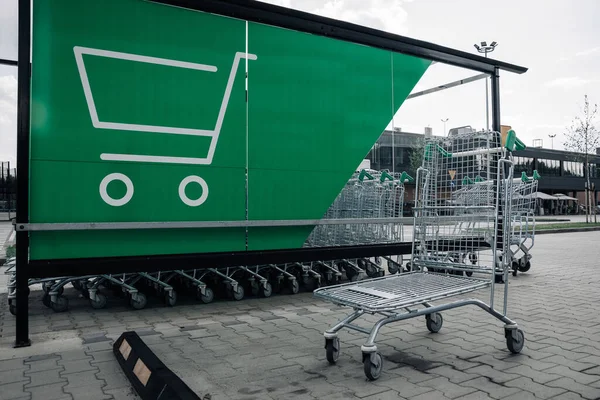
[{"x": 559, "y": 41}]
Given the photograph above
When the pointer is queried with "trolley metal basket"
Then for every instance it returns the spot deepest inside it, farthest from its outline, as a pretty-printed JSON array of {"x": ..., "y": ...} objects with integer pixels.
[{"x": 461, "y": 240}]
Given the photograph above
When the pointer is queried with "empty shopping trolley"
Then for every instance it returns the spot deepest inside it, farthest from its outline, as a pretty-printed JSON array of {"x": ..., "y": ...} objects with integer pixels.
[{"x": 460, "y": 243}]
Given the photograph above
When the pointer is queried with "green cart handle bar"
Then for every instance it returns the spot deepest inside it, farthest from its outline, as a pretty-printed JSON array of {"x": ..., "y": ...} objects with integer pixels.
[
  {"x": 405, "y": 177},
  {"x": 513, "y": 142},
  {"x": 535, "y": 177},
  {"x": 384, "y": 176},
  {"x": 439, "y": 148},
  {"x": 364, "y": 174}
]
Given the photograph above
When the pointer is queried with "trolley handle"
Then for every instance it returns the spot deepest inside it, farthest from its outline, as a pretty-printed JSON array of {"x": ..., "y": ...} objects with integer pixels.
[
  {"x": 534, "y": 177},
  {"x": 364, "y": 174},
  {"x": 405, "y": 177}
]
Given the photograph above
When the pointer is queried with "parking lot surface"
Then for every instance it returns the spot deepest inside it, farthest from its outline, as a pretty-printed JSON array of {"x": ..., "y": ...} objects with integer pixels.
[{"x": 274, "y": 348}]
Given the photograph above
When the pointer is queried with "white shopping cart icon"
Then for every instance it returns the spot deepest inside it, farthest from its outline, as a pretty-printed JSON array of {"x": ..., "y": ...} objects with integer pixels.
[{"x": 212, "y": 133}]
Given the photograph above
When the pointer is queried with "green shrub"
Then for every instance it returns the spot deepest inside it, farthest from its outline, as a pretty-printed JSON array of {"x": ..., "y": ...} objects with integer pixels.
[{"x": 11, "y": 251}]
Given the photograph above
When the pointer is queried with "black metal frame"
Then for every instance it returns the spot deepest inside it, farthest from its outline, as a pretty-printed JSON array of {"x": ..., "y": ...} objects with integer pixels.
[{"x": 249, "y": 10}]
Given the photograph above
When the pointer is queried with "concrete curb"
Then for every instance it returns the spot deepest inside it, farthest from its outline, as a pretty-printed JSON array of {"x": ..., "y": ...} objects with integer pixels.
[{"x": 567, "y": 230}]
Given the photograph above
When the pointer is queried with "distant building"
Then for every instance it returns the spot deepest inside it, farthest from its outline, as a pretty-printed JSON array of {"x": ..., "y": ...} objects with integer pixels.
[{"x": 562, "y": 172}]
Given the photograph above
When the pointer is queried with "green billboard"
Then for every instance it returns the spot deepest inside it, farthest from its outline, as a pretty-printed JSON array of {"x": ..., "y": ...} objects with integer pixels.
[{"x": 143, "y": 112}]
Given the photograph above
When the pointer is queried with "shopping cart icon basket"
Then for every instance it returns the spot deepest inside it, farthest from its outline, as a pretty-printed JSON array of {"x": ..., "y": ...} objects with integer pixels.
[{"x": 213, "y": 134}]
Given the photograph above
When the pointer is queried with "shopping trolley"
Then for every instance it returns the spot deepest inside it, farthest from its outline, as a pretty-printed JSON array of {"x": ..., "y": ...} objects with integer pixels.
[
  {"x": 522, "y": 235},
  {"x": 368, "y": 195},
  {"x": 454, "y": 216},
  {"x": 213, "y": 134}
]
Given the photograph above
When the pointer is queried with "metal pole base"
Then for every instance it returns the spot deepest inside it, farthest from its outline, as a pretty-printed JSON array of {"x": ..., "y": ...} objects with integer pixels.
[{"x": 21, "y": 343}]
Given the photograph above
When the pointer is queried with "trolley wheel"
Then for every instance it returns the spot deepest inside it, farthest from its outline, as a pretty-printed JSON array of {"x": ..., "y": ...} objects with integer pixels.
[
  {"x": 393, "y": 268},
  {"x": 515, "y": 345},
  {"x": 76, "y": 285},
  {"x": 332, "y": 347},
  {"x": 100, "y": 301},
  {"x": 61, "y": 304},
  {"x": 469, "y": 273},
  {"x": 46, "y": 300},
  {"x": 238, "y": 293},
  {"x": 526, "y": 267},
  {"x": 473, "y": 258},
  {"x": 266, "y": 290},
  {"x": 171, "y": 298},
  {"x": 350, "y": 273},
  {"x": 294, "y": 286},
  {"x": 409, "y": 266},
  {"x": 434, "y": 322},
  {"x": 46, "y": 287},
  {"x": 13, "y": 309},
  {"x": 514, "y": 272},
  {"x": 140, "y": 302},
  {"x": 207, "y": 297},
  {"x": 371, "y": 271},
  {"x": 373, "y": 365}
]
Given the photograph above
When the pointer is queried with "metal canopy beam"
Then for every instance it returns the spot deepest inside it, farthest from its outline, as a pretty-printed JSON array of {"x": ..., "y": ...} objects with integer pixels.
[
  {"x": 12, "y": 63},
  {"x": 269, "y": 14},
  {"x": 448, "y": 85}
]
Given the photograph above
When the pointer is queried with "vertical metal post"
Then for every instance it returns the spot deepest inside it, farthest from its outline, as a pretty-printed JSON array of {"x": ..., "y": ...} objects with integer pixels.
[
  {"x": 496, "y": 128},
  {"x": 23, "y": 124},
  {"x": 7, "y": 191}
]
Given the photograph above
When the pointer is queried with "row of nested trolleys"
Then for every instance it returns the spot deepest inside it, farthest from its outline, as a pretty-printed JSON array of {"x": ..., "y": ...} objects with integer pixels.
[
  {"x": 483, "y": 228},
  {"x": 371, "y": 196}
]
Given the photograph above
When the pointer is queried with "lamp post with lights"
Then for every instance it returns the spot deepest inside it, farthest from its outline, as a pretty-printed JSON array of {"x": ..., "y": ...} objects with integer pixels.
[
  {"x": 484, "y": 48},
  {"x": 444, "y": 121},
  {"x": 552, "y": 140}
]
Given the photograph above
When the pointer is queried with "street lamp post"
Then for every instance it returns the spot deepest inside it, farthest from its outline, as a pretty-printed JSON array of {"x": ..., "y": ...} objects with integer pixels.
[
  {"x": 485, "y": 49},
  {"x": 552, "y": 140},
  {"x": 444, "y": 121}
]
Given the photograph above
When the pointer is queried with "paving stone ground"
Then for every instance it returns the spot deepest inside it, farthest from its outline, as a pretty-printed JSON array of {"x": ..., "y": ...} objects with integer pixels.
[{"x": 273, "y": 348}]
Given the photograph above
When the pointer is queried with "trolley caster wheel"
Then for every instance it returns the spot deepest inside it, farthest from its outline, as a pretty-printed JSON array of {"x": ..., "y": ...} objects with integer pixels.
[
  {"x": 408, "y": 266},
  {"x": 99, "y": 302},
  {"x": 139, "y": 302},
  {"x": 46, "y": 287},
  {"x": 434, "y": 322},
  {"x": 171, "y": 298},
  {"x": 295, "y": 286},
  {"x": 76, "y": 285},
  {"x": 266, "y": 290},
  {"x": 13, "y": 309},
  {"x": 46, "y": 300},
  {"x": 469, "y": 273},
  {"x": 514, "y": 272},
  {"x": 526, "y": 267},
  {"x": 207, "y": 297},
  {"x": 515, "y": 344},
  {"x": 393, "y": 268},
  {"x": 85, "y": 293},
  {"x": 61, "y": 304},
  {"x": 332, "y": 347},
  {"x": 372, "y": 272},
  {"x": 238, "y": 293},
  {"x": 373, "y": 365}
]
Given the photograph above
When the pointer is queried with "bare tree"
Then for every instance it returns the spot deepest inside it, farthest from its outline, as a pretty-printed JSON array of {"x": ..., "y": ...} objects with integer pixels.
[
  {"x": 583, "y": 137},
  {"x": 416, "y": 154}
]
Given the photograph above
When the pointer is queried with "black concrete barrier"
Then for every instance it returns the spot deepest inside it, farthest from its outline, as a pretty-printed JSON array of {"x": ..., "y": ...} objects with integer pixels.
[{"x": 147, "y": 374}]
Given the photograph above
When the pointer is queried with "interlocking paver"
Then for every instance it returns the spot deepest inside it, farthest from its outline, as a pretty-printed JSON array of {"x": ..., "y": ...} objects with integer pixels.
[
  {"x": 542, "y": 391},
  {"x": 491, "y": 388},
  {"x": 13, "y": 376},
  {"x": 46, "y": 377},
  {"x": 274, "y": 347},
  {"x": 569, "y": 384},
  {"x": 52, "y": 391}
]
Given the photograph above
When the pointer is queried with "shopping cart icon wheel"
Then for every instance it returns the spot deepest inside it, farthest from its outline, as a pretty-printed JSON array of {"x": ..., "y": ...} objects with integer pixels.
[
  {"x": 129, "y": 190},
  {"x": 186, "y": 200},
  {"x": 116, "y": 177}
]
